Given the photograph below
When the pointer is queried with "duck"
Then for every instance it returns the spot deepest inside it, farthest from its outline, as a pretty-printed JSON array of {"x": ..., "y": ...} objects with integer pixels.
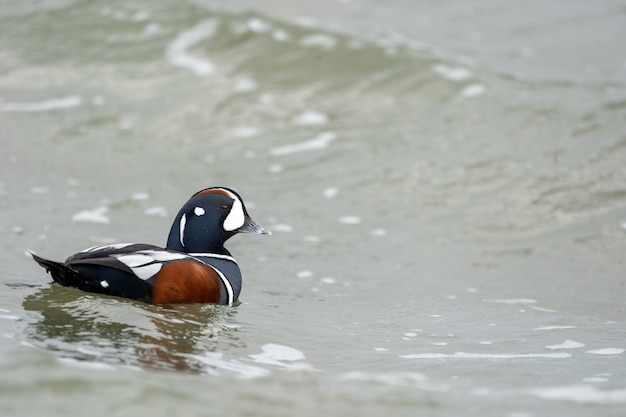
[{"x": 193, "y": 267}]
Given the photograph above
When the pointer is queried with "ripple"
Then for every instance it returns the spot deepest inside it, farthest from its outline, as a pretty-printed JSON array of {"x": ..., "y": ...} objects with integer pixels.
[
  {"x": 41, "y": 106},
  {"x": 321, "y": 141},
  {"x": 568, "y": 344},
  {"x": 465, "y": 355},
  {"x": 582, "y": 394},
  {"x": 96, "y": 215},
  {"x": 607, "y": 351},
  {"x": 177, "y": 51}
]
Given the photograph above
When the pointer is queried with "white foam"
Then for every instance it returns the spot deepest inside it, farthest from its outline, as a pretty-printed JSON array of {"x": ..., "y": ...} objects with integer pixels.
[
  {"x": 156, "y": 211},
  {"x": 568, "y": 344},
  {"x": 305, "y": 274},
  {"x": 305, "y": 21},
  {"x": 39, "y": 190},
  {"x": 378, "y": 232},
  {"x": 88, "y": 351},
  {"x": 546, "y": 310},
  {"x": 331, "y": 192},
  {"x": 90, "y": 365},
  {"x": 328, "y": 280},
  {"x": 152, "y": 29},
  {"x": 607, "y": 351},
  {"x": 266, "y": 99},
  {"x": 512, "y": 301},
  {"x": 38, "y": 106},
  {"x": 245, "y": 85},
  {"x": 141, "y": 16},
  {"x": 581, "y": 394},
  {"x": 215, "y": 360},
  {"x": 310, "y": 117},
  {"x": 275, "y": 168},
  {"x": 350, "y": 220},
  {"x": 281, "y": 227},
  {"x": 280, "y": 35},
  {"x": 177, "y": 51},
  {"x": 9, "y": 317},
  {"x": 140, "y": 196},
  {"x": 554, "y": 327},
  {"x": 258, "y": 26},
  {"x": 245, "y": 132},
  {"x": 96, "y": 215},
  {"x": 321, "y": 141},
  {"x": 414, "y": 379},
  {"x": 319, "y": 40},
  {"x": 595, "y": 379},
  {"x": 452, "y": 73},
  {"x": 465, "y": 355},
  {"x": 473, "y": 90},
  {"x": 280, "y": 355}
]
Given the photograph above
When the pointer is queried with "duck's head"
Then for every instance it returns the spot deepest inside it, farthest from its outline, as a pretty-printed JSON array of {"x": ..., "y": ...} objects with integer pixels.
[{"x": 208, "y": 219}]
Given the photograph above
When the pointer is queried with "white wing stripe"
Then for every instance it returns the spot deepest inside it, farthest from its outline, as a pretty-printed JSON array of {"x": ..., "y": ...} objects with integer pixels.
[
  {"x": 148, "y": 271},
  {"x": 134, "y": 260},
  {"x": 103, "y": 247},
  {"x": 162, "y": 256}
]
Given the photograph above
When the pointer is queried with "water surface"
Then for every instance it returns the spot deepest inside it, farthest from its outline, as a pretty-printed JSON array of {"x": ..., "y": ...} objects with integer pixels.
[{"x": 445, "y": 184}]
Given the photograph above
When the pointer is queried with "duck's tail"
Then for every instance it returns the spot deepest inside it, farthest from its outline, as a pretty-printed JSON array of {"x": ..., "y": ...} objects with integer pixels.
[{"x": 61, "y": 273}]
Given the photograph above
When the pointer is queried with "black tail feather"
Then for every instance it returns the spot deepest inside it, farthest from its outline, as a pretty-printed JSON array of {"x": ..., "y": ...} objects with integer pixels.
[{"x": 61, "y": 273}]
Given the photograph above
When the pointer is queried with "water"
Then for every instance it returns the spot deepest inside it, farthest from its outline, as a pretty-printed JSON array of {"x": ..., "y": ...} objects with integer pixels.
[{"x": 445, "y": 184}]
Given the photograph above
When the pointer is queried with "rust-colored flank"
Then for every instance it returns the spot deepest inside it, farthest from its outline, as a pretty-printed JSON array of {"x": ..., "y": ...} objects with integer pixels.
[{"x": 186, "y": 282}]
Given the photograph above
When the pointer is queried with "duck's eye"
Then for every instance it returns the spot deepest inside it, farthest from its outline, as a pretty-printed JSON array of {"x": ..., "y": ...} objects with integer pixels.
[{"x": 223, "y": 207}]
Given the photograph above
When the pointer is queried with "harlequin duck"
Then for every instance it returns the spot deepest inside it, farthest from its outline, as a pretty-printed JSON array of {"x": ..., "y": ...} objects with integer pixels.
[{"x": 194, "y": 267}]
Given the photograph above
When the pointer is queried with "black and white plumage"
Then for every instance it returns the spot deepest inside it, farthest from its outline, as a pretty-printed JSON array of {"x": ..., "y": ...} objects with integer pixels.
[{"x": 193, "y": 267}]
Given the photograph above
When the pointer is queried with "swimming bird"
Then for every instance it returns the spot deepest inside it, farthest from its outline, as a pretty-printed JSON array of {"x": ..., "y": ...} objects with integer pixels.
[{"x": 194, "y": 266}]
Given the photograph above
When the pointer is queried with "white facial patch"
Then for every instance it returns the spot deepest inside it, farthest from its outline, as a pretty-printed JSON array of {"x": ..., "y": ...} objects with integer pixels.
[
  {"x": 181, "y": 227},
  {"x": 198, "y": 211},
  {"x": 104, "y": 284},
  {"x": 236, "y": 217}
]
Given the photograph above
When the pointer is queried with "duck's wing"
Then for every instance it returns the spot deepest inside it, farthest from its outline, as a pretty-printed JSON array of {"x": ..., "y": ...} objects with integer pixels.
[{"x": 141, "y": 272}]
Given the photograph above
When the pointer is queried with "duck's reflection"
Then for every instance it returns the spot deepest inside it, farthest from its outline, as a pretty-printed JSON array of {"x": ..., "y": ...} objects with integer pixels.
[{"x": 124, "y": 332}]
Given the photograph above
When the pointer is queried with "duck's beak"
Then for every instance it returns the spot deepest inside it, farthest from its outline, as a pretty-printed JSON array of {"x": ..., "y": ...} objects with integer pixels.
[{"x": 250, "y": 226}]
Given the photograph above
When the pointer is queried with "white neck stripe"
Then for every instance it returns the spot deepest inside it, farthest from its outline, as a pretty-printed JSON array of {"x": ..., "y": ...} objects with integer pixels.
[
  {"x": 227, "y": 284},
  {"x": 213, "y": 255},
  {"x": 183, "y": 221}
]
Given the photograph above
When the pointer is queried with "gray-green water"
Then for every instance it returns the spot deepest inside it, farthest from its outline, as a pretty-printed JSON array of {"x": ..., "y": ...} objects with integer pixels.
[{"x": 446, "y": 184}]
